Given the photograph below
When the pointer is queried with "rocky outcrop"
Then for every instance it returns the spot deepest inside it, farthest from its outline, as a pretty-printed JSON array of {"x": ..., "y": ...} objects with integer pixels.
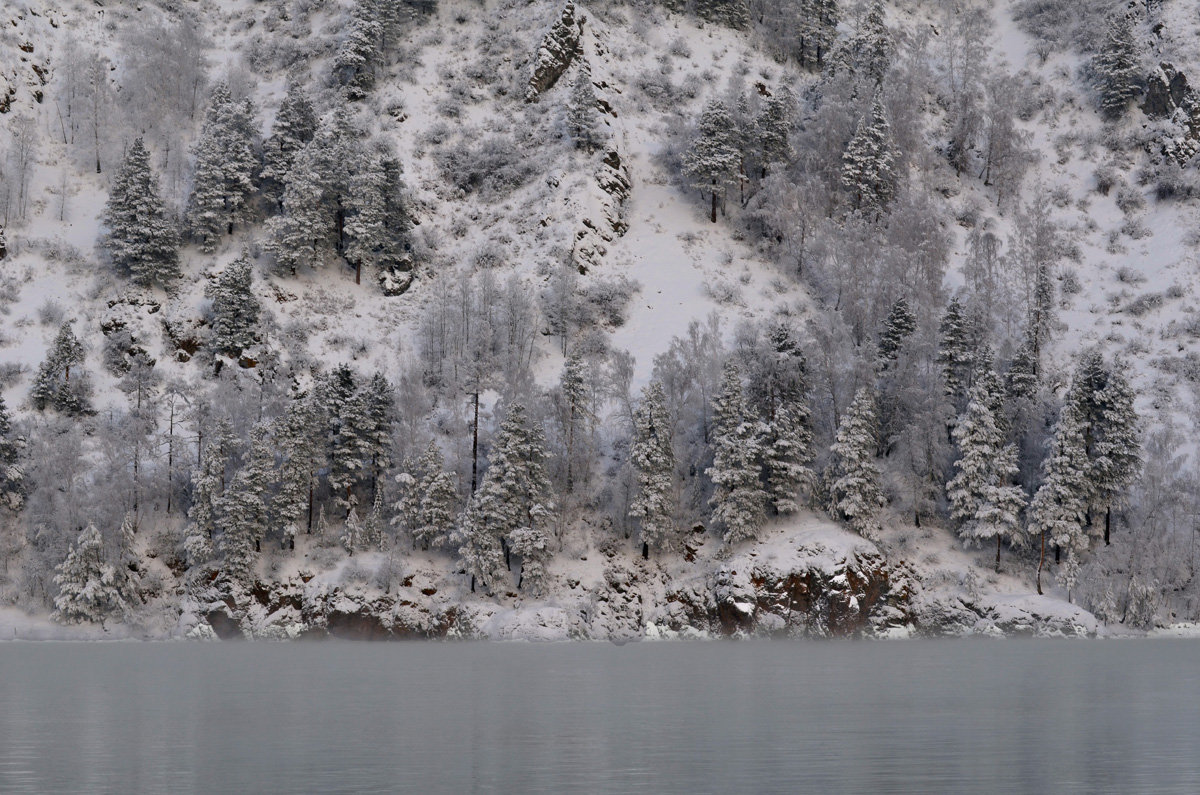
[
  {"x": 1176, "y": 105},
  {"x": 600, "y": 228},
  {"x": 819, "y": 590},
  {"x": 559, "y": 48},
  {"x": 1166, "y": 90}
]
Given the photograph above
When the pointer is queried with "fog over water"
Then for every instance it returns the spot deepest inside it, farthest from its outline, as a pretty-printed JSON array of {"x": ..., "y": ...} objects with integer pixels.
[{"x": 986, "y": 716}]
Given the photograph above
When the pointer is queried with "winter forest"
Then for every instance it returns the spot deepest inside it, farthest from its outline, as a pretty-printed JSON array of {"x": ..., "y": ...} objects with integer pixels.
[{"x": 626, "y": 318}]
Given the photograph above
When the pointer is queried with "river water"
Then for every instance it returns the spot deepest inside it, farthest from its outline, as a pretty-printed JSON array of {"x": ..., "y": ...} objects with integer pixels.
[{"x": 920, "y": 717}]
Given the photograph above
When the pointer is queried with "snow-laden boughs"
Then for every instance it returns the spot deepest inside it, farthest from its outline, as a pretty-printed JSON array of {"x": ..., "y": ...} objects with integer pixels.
[
  {"x": 652, "y": 456},
  {"x": 226, "y": 168},
  {"x": 208, "y": 482},
  {"x": 89, "y": 587},
  {"x": 898, "y": 327},
  {"x": 356, "y": 60},
  {"x": 138, "y": 237},
  {"x": 711, "y": 162},
  {"x": 787, "y": 450},
  {"x": 53, "y": 387},
  {"x": 869, "y": 163},
  {"x": 1118, "y": 67},
  {"x": 235, "y": 308},
  {"x": 428, "y": 495},
  {"x": 956, "y": 353},
  {"x": 513, "y": 503},
  {"x": 295, "y": 125},
  {"x": 854, "y": 490},
  {"x": 1058, "y": 513},
  {"x": 244, "y": 510},
  {"x": 982, "y": 497},
  {"x": 739, "y": 502},
  {"x": 583, "y": 122},
  {"x": 13, "y": 486},
  {"x": 300, "y": 438}
]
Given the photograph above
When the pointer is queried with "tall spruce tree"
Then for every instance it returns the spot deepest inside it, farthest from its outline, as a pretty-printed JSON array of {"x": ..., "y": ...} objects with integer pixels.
[
  {"x": 139, "y": 239},
  {"x": 235, "y": 309},
  {"x": 899, "y": 326},
  {"x": 738, "y": 501},
  {"x": 869, "y": 162},
  {"x": 89, "y": 587},
  {"x": 295, "y": 125},
  {"x": 712, "y": 161},
  {"x": 1058, "y": 512},
  {"x": 53, "y": 385},
  {"x": 13, "y": 484},
  {"x": 1118, "y": 66},
  {"x": 956, "y": 353},
  {"x": 855, "y": 493},
  {"x": 982, "y": 497},
  {"x": 226, "y": 168},
  {"x": 583, "y": 123},
  {"x": 426, "y": 504},
  {"x": 652, "y": 456}
]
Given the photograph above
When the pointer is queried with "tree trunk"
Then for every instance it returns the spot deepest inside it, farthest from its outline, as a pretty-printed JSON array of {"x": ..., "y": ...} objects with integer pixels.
[
  {"x": 714, "y": 205},
  {"x": 1057, "y": 554},
  {"x": 310, "y": 505},
  {"x": 997, "y": 553},
  {"x": 358, "y": 272},
  {"x": 645, "y": 551},
  {"x": 1107, "y": 525},
  {"x": 472, "y": 583},
  {"x": 475, "y": 446},
  {"x": 1041, "y": 560}
]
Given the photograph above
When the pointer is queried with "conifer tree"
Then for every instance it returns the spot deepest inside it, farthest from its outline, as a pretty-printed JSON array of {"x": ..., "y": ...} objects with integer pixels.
[
  {"x": 982, "y": 497},
  {"x": 1118, "y": 447},
  {"x": 575, "y": 396},
  {"x": 367, "y": 232},
  {"x": 244, "y": 510},
  {"x": 771, "y": 129},
  {"x": 53, "y": 386},
  {"x": 1117, "y": 67},
  {"x": 583, "y": 124},
  {"x": 787, "y": 452},
  {"x": 295, "y": 125},
  {"x": 301, "y": 439},
  {"x": 513, "y": 501},
  {"x": 956, "y": 353},
  {"x": 869, "y": 162},
  {"x": 235, "y": 309},
  {"x": 208, "y": 483},
  {"x": 88, "y": 586},
  {"x": 355, "y": 61},
  {"x": 12, "y": 471},
  {"x": 855, "y": 493},
  {"x": 226, "y": 167},
  {"x": 426, "y": 505},
  {"x": 738, "y": 500},
  {"x": 379, "y": 408},
  {"x": 872, "y": 46},
  {"x": 899, "y": 326},
  {"x": 711, "y": 162},
  {"x": 300, "y": 236},
  {"x": 1059, "y": 508},
  {"x": 349, "y": 447},
  {"x": 479, "y": 550},
  {"x": 652, "y": 456},
  {"x": 816, "y": 30},
  {"x": 138, "y": 237},
  {"x": 731, "y": 13}
]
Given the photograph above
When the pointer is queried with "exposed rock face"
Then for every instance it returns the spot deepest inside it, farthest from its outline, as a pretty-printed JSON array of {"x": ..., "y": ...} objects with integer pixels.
[
  {"x": 559, "y": 48},
  {"x": 1176, "y": 104},
  {"x": 615, "y": 186},
  {"x": 817, "y": 592},
  {"x": 1166, "y": 90}
]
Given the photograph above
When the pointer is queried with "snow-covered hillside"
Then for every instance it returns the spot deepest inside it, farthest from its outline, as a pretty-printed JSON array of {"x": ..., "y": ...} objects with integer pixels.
[{"x": 899, "y": 223}]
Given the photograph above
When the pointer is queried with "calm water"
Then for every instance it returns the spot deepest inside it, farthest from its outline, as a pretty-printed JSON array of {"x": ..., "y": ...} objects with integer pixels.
[{"x": 1008, "y": 716}]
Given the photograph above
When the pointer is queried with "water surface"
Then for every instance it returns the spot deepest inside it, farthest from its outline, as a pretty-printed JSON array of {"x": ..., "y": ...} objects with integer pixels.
[{"x": 965, "y": 716}]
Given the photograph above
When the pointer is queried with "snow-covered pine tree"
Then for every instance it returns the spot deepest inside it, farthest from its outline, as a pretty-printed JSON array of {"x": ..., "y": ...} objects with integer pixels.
[
  {"x": 583, "y": 123},
  {"x": 1118, "y": 446},
  {"x": 982, "y": 497},
  {"x": 1022, "y": 375},
  {"x": 368, "y": 236},
  {"x": 574, "y": 395},
  {"x": 855, "y": 493},
  {"x": 138, "y": 237},
  {"x": 12, "y": 471},
  {"x": 225, "y": 168},
  {"x": 53, "y": 386},
  {"x": 652, "y": 456},
  {"x": 1118, "y": 66},
  {"x": 1058, "y": 512},
  {"x": 301, "y": 442},
  {"x": 816, "y": 30},
  {"x": 513, "y": 502},
  {"x": 479, "y": 550},
  {"x": 349, "y": 425},
  {"x": 771, "y": 131},
  {"x": 88, "y": 587},
  {"x": 872, "y": 47},
  {"x": 427, "y": 504},
  {"x": 235, "y": 309},
  {"x": 352, "y": 533},
  {"x": 356, "y": 59},
  {"x": 711, "y": 162},
  {"x": 956, "y": 353},
  {"x": 869, "y": 162},
  {"x": 301, "y": 234},
  {"x": 787, "y": 451},
  {"x": 738, "y": 500},
  {"x": 208, "y": 483},
  {"x": 295, "y": 125},
  {"x": 244, "y": 510},
  {"x": 379, "y": 406},
  {"x": 731, "y": 13},
  {"x": 899, "y": 326}
]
